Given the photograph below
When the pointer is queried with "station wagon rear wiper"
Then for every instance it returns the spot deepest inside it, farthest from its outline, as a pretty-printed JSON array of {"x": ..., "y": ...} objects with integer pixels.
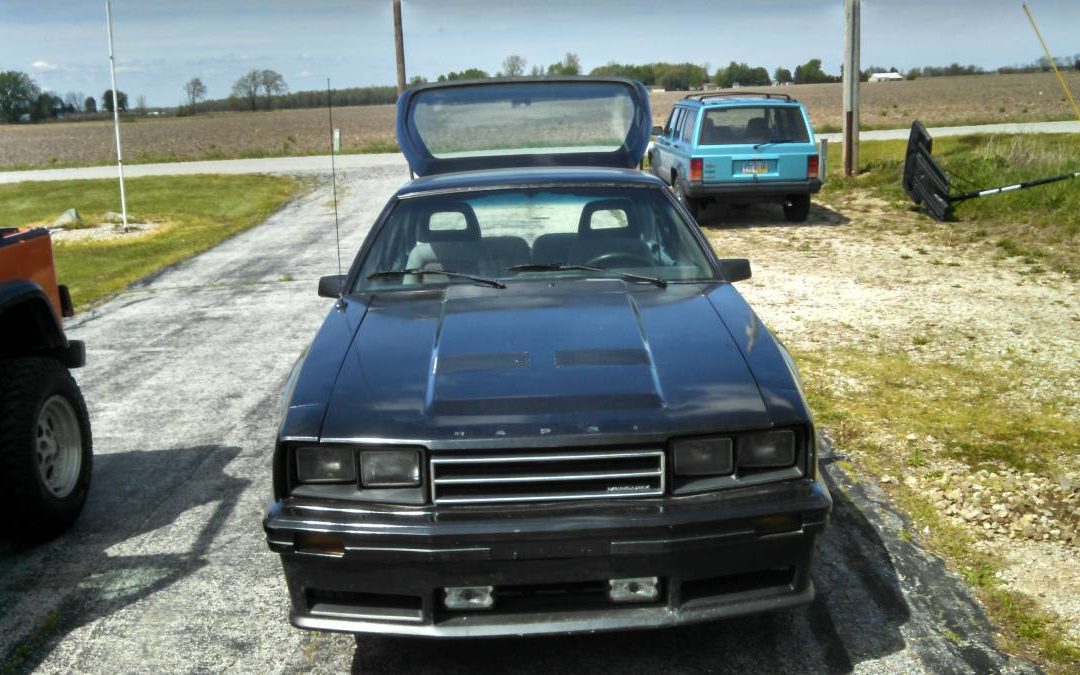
[
  {"x": 776, "y": 141},
  {"x": 557, "y": 267},
  {"x": 458, "y": 275}
]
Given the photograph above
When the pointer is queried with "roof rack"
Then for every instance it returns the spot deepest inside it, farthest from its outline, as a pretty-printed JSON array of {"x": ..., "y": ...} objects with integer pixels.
[{"x": 737, "y": 94}]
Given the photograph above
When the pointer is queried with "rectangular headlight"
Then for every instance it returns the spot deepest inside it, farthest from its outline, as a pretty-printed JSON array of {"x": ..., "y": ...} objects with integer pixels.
[
  {"x": 325, "y": 465},
  {"x": 768, "y": 450},
  {"x": 389, "y": 468},
  {"x": 703, "y": 457}
]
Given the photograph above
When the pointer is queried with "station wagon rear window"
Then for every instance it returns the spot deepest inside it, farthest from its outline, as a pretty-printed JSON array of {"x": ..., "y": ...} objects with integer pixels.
[{"x": 753, "y": 124}]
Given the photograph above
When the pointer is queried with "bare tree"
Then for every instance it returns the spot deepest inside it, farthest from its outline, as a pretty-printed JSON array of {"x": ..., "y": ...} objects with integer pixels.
[
  {"x": 513, "y": 66},
  {"x": 73, "y": 101},
  {"x": 247, "y": 88},
  {"x": 194, "y": 90},
  {"x": 536, "y": 71},
  {"x": 140, "y": 104},
  {"x": 272, "y": 83}
]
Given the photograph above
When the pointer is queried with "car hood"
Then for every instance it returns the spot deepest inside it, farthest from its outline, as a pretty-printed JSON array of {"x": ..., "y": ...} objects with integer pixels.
[{"x": 541, "y": 360}]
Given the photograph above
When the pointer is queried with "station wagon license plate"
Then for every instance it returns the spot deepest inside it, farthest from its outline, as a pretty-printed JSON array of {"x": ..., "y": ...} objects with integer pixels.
[{"x": 755, "y": 167}]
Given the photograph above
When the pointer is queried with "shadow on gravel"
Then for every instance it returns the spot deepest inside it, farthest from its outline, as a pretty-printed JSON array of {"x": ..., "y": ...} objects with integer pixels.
[
  {"x": 856, "y": 617},
  {"x": 133, "y": 494},
  {"x": 723, "y": 216}
]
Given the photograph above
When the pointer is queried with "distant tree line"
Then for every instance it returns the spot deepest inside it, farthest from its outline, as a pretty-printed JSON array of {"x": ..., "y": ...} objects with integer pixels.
[{"x": 22, "y": 99}]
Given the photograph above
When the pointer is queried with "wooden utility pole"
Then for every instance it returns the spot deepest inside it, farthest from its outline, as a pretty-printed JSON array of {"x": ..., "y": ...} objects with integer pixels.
[
  {"x": 852, "y": 40},
  {"x": 399, "y": 44}
]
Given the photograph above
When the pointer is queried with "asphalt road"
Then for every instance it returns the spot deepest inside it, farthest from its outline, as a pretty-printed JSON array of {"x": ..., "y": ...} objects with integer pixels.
[
  {"x": 321, "y": 164},
  {"x": 167, "y": 570}
]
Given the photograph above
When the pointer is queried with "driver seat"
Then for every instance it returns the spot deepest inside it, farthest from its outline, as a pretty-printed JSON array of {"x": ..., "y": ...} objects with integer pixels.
[{"x": 605, "y": 234}]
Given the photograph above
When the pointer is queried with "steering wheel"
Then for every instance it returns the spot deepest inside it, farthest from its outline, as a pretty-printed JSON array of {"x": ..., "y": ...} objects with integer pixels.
[{"x": 636, "y": 260}]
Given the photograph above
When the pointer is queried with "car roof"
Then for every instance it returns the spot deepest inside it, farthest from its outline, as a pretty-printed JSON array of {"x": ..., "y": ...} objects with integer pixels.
[
  {"x": 725, "y": 99},
  {"x": 516, "y": 177}
]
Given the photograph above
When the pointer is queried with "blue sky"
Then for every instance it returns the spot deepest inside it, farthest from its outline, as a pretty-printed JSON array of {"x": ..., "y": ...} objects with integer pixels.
[{"x": 160, "y": 44}]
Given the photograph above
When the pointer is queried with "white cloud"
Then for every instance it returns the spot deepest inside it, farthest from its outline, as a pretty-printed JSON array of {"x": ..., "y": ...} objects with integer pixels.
[{"x": 43, "y": 66}]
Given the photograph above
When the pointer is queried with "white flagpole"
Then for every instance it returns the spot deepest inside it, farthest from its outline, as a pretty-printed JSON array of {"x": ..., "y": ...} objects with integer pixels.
[{"x": 116, "y": 115}]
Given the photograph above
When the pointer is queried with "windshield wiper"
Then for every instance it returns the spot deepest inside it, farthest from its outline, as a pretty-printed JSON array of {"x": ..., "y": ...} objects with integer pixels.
[
  {"x": 494, "y": 283},
  {"x": 777, "y": 141},
  {"x": 558, "y": 267}
]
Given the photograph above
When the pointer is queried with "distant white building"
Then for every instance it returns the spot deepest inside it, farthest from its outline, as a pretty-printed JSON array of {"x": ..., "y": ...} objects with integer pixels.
[{"x": 886, "y": 77}]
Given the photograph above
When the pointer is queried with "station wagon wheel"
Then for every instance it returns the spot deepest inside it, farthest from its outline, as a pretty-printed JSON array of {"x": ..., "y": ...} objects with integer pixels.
[
  {"x": 693, "y": 205},
  {"x": 797, "y": 208}
]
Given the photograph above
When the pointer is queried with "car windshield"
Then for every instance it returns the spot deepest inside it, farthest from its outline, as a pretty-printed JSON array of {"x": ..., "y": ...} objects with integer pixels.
[
  {"x": 487, "y": 234},
  {"x": 753, "y": 125}
]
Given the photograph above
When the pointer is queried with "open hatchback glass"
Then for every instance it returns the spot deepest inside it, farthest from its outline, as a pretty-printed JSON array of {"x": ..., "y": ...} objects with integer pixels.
[{"x": 464, "y": 126}]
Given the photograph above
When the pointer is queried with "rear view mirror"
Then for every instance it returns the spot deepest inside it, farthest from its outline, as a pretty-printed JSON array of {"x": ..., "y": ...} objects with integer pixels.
[
  {"x": 735, "y": 269},
  {"x": 330, "y": 287},
  {"x": 657, "y": 130}
]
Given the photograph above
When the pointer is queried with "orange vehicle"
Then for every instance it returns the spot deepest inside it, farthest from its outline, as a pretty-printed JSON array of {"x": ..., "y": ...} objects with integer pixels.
[{"x": 45, "y": 443}]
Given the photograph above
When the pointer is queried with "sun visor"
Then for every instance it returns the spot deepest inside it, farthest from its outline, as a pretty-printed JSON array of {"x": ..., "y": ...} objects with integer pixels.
[{"x": 495, "y": 124}]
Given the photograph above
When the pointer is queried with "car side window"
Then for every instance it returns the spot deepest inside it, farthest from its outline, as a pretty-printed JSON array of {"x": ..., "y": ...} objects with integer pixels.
[
  {"x": 679, "y": 125},
  {"x": 671, "y": 122},
  {"x": 672, "y": 131},
  {"x": 689, "y": 122}
]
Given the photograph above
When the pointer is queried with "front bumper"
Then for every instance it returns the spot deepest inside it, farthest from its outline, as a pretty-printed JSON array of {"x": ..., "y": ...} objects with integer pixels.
[
  {"x": 753, "y": 190},
  {"x": 720, "y": 555}
]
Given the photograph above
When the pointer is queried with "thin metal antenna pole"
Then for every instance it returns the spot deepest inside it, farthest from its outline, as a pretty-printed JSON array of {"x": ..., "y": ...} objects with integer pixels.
[
  {"x": 333, "y": 180},
  {"x": 116, "y": 115}
]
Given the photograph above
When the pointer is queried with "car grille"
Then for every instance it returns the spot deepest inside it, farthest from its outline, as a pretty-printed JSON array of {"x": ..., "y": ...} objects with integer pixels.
[{"x": 548, "y": 476}]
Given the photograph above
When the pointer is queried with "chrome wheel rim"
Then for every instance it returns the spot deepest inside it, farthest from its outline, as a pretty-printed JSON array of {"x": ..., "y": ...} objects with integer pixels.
[{"x": 58, "y": 446}]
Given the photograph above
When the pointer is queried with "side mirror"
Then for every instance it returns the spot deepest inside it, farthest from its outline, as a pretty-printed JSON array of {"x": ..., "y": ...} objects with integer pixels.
[
  {"x": 735, "y": 269},
  {"x": 657, "y": 130},
  {"x": 330, "y": 287}
]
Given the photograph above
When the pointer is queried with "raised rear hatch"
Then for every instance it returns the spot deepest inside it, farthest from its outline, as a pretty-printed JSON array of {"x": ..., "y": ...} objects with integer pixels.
[{"x": 496, "y": 124}]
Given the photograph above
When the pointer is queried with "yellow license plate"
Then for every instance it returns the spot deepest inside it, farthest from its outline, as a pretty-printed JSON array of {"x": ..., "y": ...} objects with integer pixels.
[{"x": 754, "y": 167}]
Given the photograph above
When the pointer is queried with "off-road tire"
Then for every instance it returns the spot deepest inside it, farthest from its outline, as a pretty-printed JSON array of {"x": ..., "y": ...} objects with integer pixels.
[
  {"x": 32, "y": 512},
  {"x": 799, "y": 209}
]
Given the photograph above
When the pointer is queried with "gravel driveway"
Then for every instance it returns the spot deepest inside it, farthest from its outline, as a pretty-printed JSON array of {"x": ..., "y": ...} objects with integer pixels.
[{"x": 167, "y": 569}]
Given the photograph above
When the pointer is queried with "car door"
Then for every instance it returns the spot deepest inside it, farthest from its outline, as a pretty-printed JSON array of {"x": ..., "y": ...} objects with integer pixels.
[
  {"x": 681, "y": 145},
  {"x": 662, "y": 156}
]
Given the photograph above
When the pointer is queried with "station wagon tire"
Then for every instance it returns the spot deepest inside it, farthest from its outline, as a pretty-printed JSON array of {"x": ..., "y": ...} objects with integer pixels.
[
  {"x": 45, "y": 448},
  {"x": 798, "y": 210},
  {"x": 693, "y": 205}
]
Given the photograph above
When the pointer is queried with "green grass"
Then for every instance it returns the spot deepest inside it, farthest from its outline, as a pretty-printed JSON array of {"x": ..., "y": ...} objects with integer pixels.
[
  {"x": 966, "y": 407},
  {"x": 195, "y": 212},
  {"x": 1041, "y": 225}
]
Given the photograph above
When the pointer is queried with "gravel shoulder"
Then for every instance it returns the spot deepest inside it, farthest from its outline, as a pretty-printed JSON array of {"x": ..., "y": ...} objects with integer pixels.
[{"x": 863, "y": 276}]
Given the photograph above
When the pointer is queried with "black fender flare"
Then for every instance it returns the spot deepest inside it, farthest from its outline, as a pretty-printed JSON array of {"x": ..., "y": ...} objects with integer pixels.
[{"x": 30, "y": 327}]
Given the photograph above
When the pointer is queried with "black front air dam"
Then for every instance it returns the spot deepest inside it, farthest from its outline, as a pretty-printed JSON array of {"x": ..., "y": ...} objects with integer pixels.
[{"x": 550, "y": 572}]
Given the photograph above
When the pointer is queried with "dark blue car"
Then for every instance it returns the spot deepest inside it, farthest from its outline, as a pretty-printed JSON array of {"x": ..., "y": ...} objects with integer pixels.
[{"x": 538, "y": 404}]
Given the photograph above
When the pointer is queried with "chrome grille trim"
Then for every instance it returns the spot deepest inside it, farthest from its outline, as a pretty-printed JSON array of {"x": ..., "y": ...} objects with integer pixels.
[{"x": 485, "y": 479}]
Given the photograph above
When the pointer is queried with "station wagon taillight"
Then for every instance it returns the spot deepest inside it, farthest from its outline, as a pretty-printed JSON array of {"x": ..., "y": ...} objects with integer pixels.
[
  {"x": 812, "y": 166},
  {"x": 697, "y": 167}
]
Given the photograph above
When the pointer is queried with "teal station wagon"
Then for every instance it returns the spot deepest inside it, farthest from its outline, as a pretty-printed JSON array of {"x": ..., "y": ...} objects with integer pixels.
[{"x": 738, "y": 148}]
